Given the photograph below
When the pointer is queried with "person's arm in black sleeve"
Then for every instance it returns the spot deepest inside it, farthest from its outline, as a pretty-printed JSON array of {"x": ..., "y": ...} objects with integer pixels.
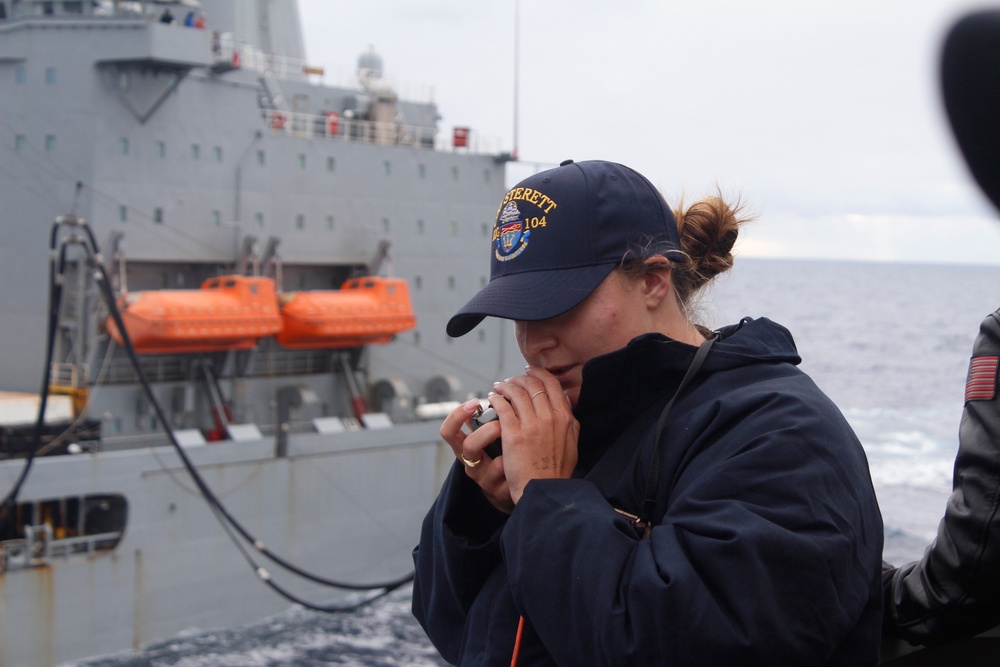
[{"x": 954, "y": 590}]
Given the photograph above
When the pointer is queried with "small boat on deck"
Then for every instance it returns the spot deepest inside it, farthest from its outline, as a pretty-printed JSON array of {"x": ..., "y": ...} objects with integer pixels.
[
  {"x": 364, "y": 311},
  {"x": 234, "y": 312},
  {"x": 227, "y": 313}
]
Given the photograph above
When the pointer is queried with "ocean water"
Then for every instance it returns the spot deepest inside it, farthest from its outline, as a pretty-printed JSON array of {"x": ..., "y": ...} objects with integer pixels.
[{"x": 890, "y": 343}]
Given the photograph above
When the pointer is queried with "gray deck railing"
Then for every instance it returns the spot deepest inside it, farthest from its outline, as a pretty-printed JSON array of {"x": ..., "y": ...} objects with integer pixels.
[{"x": 39, "y": 547}]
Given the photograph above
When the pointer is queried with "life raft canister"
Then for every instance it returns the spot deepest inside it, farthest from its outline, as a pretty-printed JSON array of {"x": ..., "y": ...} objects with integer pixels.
[{"x": 332, "y": 123}]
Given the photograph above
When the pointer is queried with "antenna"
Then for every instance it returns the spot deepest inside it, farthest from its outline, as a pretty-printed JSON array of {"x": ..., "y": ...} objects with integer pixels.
[{"x": 517, "y": 69}]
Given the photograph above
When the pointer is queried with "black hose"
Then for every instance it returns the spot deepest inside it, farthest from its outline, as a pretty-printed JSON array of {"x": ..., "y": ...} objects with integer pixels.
[{"x": 55, "y": 301}]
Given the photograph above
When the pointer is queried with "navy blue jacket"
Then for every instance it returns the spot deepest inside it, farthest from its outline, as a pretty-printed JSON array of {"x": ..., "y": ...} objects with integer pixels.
[{"x": 768, "y": 551}]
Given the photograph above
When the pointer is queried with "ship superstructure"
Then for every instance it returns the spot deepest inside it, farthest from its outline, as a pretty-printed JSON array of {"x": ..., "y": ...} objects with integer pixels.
[{"x": 287, "y": 252}]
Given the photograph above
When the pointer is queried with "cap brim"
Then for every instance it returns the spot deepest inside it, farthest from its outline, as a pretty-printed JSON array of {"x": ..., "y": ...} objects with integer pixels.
[{"x": 529, "y": 296}]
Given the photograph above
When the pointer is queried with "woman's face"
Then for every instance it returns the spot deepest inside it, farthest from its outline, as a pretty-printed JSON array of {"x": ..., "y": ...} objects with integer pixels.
[{"x": 611, "y": 316}]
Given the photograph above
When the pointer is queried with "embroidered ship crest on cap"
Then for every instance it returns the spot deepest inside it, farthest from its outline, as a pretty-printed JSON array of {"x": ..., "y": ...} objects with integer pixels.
[{"x": 510, "y": 234}]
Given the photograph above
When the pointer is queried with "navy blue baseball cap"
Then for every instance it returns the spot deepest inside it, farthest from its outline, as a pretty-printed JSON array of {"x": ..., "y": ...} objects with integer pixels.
[{"x": 559, "y": 233}]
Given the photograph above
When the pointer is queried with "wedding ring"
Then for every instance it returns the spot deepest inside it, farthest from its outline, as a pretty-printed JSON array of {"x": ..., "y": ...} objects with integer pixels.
[
  {"x": 471, "y": 464},
  {"x": 537, "y": 393}
]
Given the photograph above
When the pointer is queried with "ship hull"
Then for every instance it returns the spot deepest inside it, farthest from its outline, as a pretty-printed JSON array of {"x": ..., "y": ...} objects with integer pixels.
[{"x": 346, "y": 506}]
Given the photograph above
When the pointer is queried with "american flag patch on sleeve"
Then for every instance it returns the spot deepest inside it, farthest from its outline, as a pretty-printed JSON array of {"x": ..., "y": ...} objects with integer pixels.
[{"x": 982, "y": 382}]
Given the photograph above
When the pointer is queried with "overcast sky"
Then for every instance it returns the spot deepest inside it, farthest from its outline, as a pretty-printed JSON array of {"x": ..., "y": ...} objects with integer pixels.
[{"x": 826, "y": 116}]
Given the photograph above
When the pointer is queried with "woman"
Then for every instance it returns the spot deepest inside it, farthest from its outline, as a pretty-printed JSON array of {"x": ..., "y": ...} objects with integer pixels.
[{"x": 757, "y": 541}]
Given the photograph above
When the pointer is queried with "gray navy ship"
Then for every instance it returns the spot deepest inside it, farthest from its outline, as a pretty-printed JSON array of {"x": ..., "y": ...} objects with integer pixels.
[{"x": 283, "y": 255}]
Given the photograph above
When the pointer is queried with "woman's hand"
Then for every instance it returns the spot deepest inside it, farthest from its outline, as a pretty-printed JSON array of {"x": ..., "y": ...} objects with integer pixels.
[
  {"x": 469, "y": 449},
  {"x": 538, "y": 429}
]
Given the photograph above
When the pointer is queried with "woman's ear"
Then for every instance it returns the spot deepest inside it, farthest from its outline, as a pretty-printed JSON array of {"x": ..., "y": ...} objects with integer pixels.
[{"x": 657, "y": 281}]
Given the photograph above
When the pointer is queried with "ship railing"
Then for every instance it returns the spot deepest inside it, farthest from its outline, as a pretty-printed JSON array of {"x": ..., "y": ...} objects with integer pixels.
[
  {"x": 38, "y": 547},
  {"x": 249, "y": 57},
  {"x": 341, "y": 128},
  {"x": 269, "y": 360},
  {"x": 338, "y": 127},
  {"x": 94, "y": 9}
]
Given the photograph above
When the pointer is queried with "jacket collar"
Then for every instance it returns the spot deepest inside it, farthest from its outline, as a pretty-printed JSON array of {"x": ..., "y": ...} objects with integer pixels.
[{"x": 620, "y": 385}]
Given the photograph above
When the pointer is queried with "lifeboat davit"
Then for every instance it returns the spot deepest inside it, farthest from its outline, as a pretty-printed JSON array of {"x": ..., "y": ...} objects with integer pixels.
[
  {"x": 364, "y": 311},
  {"x": 227, "y": 313}
]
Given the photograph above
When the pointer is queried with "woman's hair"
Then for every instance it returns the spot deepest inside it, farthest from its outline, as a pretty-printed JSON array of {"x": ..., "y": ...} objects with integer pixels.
[{"x": 708, "y": 230}]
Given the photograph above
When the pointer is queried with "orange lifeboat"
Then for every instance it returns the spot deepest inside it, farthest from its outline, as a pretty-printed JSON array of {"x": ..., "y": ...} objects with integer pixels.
[
  {"x": 364, "y": 311},
  {"x": 227, "y": 313}
]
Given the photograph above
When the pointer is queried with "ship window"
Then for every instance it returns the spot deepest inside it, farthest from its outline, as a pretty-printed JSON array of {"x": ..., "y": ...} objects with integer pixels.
[
  {"x": 50, "y": 75},
  {"x": 50, "y": 142},
  {"x": 453, "y": 227},
  {"x": 420, "y": 226},
  {"x": 195, "y": 151},
  {"x": 158, "y": 215},
  {"x": 451, "y": 282},
  {"x": 422, "y": 170},
  {"x": 124, "y": 80},
  {"x": 302, "y": 160},
  {"x": 161, "y": 149},
  {"x": 73, "y": 7},
  {"x": 123, "y": 145},
  {"x": 19, "y": 142},
  {"x": 259, "y": 218},
  {"x": 454, "y": 173},
  {"x": 482, "y": 282},
  {"x": 482, "y": 334},
  {"x": 385, "y": 224},
  {"x": 388, "y": 167},
  {"x": 229, "y": 283},
  {"x": 261, "y": 158},
  {"x": 418, "y": 282},
  {"x": 217, "y": 218},
  {"x": 61, "y": 527},
  {"x": 330, "y": 164},
  {"x": 123, "y": 213},
  {"x": 416, "y": 337},
  {"x": 487, "y": 174},
  {"x": 20, "y": 74},
  {"x": 300, "y": 221},
  {"x": 329, "y": 222},
  {"x": 253, "y": 289},
  {"x": 217, "y": 151}
]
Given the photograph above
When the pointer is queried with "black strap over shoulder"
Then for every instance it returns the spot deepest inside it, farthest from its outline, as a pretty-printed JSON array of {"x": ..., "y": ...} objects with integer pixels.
[{"x": 645, "y": 521}]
